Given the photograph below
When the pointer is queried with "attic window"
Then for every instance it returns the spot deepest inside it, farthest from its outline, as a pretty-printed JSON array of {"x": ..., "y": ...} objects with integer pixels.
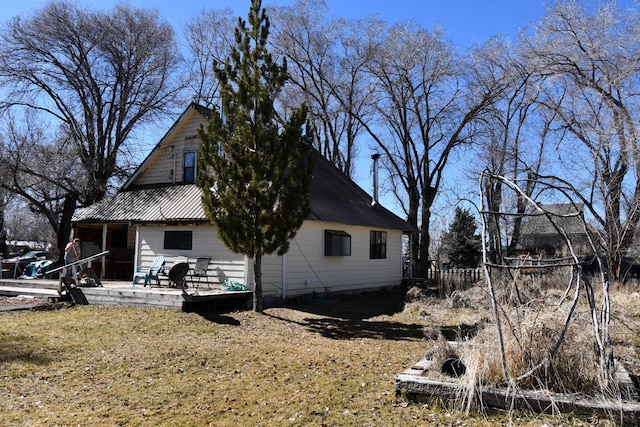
[
  {"x": 189, "y": 167},
  {"x": 337, "y": 243}
]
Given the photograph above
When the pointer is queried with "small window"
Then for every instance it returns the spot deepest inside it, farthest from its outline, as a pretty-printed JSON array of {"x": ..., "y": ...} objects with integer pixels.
[
  {"x": 178, "y": 240},
  {"x": 189, "y": 167},
  {"x": 337, "y": 243},
  {"x": 378, "y": 245}
]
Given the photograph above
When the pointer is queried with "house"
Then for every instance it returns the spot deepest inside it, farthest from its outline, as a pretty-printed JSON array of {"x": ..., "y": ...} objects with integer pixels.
[
  {"x": 540, "y": 238},
  {"x": 347, "y": 243}
]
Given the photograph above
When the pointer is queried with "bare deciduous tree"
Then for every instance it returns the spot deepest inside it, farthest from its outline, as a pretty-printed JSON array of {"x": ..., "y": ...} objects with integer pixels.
[
  {"x": 95, "y": 76},
  {"x": 425, "y": 108},
  {"x": 327, "y": 59},
  {"x": 590, "y": 65},
  {"x": 209, "y": 37},
  {"x": 43, "y": 170},
  {"x": 511, "y": 141}
]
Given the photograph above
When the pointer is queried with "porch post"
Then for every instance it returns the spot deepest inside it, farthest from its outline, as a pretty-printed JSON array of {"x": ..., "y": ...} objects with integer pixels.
[
  {"x": 136, "y": 250},
  {"x": 103, "y": 259}
]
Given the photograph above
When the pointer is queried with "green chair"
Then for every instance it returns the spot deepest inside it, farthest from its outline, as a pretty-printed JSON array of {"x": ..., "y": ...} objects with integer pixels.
[{"x": 157, "y": 266}]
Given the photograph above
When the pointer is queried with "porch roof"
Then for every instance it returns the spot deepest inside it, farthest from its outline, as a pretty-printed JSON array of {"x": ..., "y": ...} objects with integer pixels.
[
  {"x": 334, "y": 198},
  {"x": 162, "y": 204}
]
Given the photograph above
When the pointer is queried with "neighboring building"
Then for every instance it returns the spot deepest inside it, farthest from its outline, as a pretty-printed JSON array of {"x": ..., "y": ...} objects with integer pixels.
[
  {"x": 15, "y": 246},
  {"x": 540, "y": 238},
  {"x": 347, "y": 243}
]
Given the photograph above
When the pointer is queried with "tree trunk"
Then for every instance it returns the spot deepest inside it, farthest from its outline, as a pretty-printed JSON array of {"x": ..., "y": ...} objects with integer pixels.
[
  {"x": 257, "y": 286},
  {"x": 493, "y": 192},
  {"x": 3, "y": 233},
  {"x": 412, "y": 218},
  {"x": 64, "y": 224},
  {"x": 423, "y": 261},
  {"x": 428, "y": 196}
]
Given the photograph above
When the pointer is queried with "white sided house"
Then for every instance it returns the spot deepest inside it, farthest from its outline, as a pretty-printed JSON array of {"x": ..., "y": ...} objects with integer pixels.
[{"x": 348, "y": 243}]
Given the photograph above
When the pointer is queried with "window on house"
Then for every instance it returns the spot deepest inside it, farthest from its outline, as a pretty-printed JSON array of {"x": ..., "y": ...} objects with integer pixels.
[
  {"x": 189, "y": 167},
  {"x": 178, "y": 240},
  {"x": 337, "y": 243},
  {"x": 377, "y": 244}
]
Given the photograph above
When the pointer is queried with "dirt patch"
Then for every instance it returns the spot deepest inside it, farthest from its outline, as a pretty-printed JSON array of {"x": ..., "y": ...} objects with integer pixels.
[
  {"x": 24, "y": 302},
  {"x": 21, "y": 300}
]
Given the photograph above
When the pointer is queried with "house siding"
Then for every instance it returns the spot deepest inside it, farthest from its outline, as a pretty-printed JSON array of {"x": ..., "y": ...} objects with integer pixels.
[
  {"x": 152, "y": 201},
  {"x": 224, "y": 264},
  {"x": 167, "y": 166},
  {"x": 309, "y": 271}
]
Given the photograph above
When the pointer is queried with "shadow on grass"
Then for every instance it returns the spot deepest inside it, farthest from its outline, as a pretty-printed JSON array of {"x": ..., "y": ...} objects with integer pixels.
[
  {"x": 358, "y": 306},
  {"x": 345, "y": 329},
  {"x": 22, "y": 348},
  {"x": 345, "y": 316},
  {"x": 216, "y": 317}
]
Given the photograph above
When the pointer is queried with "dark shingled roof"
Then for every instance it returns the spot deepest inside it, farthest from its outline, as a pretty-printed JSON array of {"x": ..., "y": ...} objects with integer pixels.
[
  {"x": 334, "y": 198},
  {"x": 567, "y": 216}
]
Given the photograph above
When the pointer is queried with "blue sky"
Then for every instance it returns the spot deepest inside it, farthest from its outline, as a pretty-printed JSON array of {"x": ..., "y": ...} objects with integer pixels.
[{"x": 464, "y": 21}]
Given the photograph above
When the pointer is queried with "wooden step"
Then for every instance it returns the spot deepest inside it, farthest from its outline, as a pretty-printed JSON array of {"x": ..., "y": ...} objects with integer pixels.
[
  {"x": 31, "y": 283},
  {"x": 20, "y": 290},
  {"x": 132, "y": 297}
]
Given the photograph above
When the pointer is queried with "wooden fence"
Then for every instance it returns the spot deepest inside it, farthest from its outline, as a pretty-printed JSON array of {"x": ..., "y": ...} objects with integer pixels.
[
  {"x": 470, "y": 275},
  {"x": 450, "y": 280}
]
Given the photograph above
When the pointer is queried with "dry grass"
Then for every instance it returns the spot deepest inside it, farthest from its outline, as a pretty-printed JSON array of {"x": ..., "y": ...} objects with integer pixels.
[
  {"x": 320, "y": 363},
  {"x": 533, "y": 314},
  {"x": 573, "y": 369}
]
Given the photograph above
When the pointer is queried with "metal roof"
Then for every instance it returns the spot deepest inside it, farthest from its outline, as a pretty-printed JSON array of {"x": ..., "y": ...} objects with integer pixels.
[
  {"x": 177, "y": 203},
  {"x": 334, "y": 198}
]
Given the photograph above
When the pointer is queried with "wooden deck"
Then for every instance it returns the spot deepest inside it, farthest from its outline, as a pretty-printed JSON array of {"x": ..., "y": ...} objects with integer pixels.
[{"x": 124, "y": 293}]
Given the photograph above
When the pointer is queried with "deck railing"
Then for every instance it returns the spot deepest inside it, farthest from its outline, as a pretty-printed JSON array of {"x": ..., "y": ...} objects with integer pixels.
[{"x": 86, "y": 260}]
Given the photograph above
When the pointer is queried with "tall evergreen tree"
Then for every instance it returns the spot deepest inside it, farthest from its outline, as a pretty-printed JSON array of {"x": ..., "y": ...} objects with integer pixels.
[
  {"x": 462, "y": 243},
  {"x": 255, "y": 170}
]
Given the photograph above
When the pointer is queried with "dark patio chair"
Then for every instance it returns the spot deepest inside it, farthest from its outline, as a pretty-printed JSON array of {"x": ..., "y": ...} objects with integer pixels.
[
  {"x": 200, "y": 270},
  {"x": 177, "y": 275}
]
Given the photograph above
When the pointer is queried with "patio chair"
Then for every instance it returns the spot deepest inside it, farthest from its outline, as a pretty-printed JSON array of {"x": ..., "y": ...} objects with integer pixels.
[
  {"x": 200, "y": 270},
  {"x": 157, "y": 266},
  {"x": 36, "y": 269},
  {"x": 177, "y": 275}
]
